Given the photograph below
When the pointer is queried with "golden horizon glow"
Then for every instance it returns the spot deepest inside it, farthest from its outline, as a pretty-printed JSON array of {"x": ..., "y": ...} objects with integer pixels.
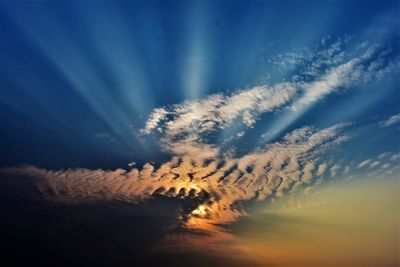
[{"x": 345, "y": 224}]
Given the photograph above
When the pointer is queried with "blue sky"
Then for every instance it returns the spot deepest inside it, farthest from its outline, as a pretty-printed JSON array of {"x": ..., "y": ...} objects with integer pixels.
[{"x": 79, "y": 80}]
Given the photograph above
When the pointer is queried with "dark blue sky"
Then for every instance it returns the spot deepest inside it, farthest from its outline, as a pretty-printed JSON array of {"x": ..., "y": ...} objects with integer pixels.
[{"x": 78, "y": 80}]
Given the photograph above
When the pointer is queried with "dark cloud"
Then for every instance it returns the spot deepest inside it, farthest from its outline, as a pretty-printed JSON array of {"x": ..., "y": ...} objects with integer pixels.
[{"x": 103, "y": 233}]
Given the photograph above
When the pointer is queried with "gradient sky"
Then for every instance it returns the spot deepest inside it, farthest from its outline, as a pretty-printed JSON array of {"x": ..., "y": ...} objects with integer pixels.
[
  {"x": 239, "y": 101},
  {"x": 333, "y": 226},
  {"x": 79, "y": 79}
]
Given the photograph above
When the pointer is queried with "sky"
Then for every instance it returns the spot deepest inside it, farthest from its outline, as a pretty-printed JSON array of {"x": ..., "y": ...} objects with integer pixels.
[{"x": 263, "y": 133}]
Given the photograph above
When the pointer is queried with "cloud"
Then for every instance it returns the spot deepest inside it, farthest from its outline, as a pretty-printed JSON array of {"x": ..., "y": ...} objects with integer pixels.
[
  {"x": 315, "y": 91},
  {"x": 384, "y": 155},
  {"x": 374, "y": 164},
  {"x": 379, "y": 166},
  {"x": 240, "y": 134},
  {"x": 385, "y": 166},
  {"x": 131, "y": 164},
  {"x": 346, "y": 169},
  {"x": 390, "y": 121},
  {"x": 365, "y": 67},
  {"x": 364, "y": 163},
  {"x": 155, "y": 117},
  {"x": 324, "y": 72},
  {"x": 334, "y": 170},
  {"x": 218, "y": 110},
  {"x": 216, "y": 185},
  {"x": 321, "y": 169}
]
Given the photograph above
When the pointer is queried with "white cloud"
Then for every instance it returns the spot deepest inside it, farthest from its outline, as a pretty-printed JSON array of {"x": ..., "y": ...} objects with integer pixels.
[
  {"x": 364, "y": 163},
  {"x": 374, "y": 164},
  {"x": 155, "y": 117},
  {"x": 218, "y": 110},
  {"x": 390, "y": 121},
  {"x": 334, "y": 170},
  {"x": 240, "y": 134},
  {"x": 131, "y": 164},
  {"x": 395, "y": 157},
  {"x": 330, "y": 70},
  {"x": 328, "y": 83},
  {"x": 346, "y": 169},
  {"x": 385, "y": 166},
  {"x": 384, "y": 155}
]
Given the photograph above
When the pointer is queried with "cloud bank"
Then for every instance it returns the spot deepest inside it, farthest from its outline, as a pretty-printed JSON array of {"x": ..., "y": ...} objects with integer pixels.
[{"x": 217, "y": 185}]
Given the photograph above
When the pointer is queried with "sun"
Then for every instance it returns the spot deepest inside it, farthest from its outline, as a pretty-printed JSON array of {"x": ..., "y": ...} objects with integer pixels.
[{"x": 200, "y": 211}]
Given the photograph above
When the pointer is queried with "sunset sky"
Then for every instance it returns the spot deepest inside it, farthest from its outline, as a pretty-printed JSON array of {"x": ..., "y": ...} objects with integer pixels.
[{"x": 221, "y": 133}]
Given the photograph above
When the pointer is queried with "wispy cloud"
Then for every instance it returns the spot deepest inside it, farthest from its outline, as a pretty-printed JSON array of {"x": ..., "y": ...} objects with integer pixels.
[
  {"x": 390, "y": 121},
  {"x": 364, "y": 163},
  {"x": 327, "y": 71}
]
